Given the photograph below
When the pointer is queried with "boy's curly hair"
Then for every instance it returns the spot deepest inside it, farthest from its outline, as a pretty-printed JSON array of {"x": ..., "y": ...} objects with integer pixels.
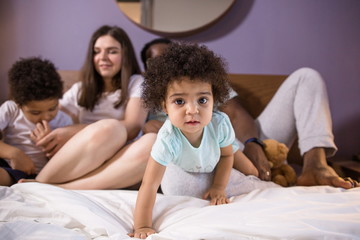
[
  {"x": 194, "y": 61},
  {"x": 34, "y": 79}
]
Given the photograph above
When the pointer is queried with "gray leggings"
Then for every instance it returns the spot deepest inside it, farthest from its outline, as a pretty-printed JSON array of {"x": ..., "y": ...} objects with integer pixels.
[{"x": 178, "y": 182}]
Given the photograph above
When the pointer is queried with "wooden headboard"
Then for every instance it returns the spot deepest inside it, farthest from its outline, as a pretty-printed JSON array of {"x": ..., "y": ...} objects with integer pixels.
[
  {"x": 255, "y": 90},
  {"x": 69, "y": 77}
]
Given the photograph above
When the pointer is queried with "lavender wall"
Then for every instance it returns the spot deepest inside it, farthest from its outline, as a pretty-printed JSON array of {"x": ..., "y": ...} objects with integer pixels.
[{"x": 259, "y": 36}]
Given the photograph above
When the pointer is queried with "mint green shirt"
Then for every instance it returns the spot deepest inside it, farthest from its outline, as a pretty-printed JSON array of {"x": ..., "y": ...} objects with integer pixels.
[{"x": 172, "y": 146}]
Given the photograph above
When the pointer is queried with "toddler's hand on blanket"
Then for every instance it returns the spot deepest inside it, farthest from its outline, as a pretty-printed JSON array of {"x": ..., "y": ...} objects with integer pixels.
[
  {"x": 142, "y": 233},
  {"x": 217, "y": 196}
]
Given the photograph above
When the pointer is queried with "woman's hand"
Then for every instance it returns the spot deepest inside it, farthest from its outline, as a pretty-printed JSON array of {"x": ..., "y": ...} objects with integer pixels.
[
  {"x": 217, "y": 196},
  {"x": 41, "y": 130},
  {"x": 53, "y": 141},
  {"x": 142, "y": 233},
  {"x": 256, "y": 154}
]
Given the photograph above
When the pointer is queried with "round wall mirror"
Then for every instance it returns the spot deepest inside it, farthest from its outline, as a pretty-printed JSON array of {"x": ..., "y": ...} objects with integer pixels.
[{"x": 174, "y": 17}]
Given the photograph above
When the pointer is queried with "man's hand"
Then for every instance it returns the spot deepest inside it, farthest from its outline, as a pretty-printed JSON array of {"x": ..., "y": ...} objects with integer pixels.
[
  {"x": 142, "y": 233},
  {"x": 256, "y": 154}
]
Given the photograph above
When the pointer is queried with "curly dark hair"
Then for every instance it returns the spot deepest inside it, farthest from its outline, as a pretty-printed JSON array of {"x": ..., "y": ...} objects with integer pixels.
[
  {"x": 34, "y": 79},
  {"x": 194, "y": 61}
]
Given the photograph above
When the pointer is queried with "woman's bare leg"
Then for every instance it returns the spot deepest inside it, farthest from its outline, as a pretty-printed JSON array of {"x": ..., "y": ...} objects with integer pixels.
[
  {"x": 125, "y": 169},
  {"x": 84, "y": 152}
]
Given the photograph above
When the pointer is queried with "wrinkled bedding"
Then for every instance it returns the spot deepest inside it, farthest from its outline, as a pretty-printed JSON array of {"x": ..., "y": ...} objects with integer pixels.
[{"x": 42, "y": 211}]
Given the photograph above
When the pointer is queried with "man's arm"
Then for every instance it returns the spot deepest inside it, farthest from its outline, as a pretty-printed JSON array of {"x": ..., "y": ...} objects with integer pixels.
[{"x": 245, "y": 128}]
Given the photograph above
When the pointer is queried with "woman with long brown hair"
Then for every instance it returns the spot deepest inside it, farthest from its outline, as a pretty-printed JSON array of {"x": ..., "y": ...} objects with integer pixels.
[{"x": 104, "y": 150}]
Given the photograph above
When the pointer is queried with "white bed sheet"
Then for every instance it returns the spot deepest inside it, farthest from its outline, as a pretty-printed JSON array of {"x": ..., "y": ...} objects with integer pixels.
[{"x": 41, "y": 211}]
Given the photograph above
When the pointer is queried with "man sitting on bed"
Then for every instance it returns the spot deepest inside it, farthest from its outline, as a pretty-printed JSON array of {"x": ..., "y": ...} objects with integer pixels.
[{"x": 300, "y": 108}]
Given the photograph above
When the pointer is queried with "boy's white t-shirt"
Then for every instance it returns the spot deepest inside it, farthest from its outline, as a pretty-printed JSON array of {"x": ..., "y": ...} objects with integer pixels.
[
  {"x": 105, "y": 107},
  {"x": 16, "y": 131}
]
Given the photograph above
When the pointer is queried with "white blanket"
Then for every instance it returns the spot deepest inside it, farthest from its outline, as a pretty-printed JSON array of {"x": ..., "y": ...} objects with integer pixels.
[{"x": 41, "y": 211}]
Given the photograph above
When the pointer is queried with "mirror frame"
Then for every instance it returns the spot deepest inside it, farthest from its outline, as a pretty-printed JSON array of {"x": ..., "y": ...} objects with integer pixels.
[{"x": 179, "y": 33}]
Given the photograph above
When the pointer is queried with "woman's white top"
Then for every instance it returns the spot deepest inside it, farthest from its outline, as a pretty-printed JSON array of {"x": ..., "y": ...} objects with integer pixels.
[{"x": 105, "y": 106}]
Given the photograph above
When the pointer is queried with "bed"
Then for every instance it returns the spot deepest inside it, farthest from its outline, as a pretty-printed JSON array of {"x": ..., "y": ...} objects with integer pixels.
[
  {"x": 42, "y": 211},
  {"x": 260, "y": 210}
]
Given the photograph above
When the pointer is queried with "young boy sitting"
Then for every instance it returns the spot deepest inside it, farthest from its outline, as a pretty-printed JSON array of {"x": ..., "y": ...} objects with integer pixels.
[{"x": 32, "y": 112}]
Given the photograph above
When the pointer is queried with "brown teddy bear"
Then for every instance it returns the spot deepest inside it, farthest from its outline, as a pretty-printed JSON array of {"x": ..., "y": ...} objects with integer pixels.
[{"x": 281, "y": 172}]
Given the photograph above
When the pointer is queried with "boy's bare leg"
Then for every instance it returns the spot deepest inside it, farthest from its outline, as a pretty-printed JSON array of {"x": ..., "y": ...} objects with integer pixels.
[{"x": 5, "y": 179}]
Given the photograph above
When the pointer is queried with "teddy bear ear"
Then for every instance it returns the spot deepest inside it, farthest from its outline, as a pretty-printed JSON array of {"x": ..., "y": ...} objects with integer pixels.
[{"x": 283, "y": 147}]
